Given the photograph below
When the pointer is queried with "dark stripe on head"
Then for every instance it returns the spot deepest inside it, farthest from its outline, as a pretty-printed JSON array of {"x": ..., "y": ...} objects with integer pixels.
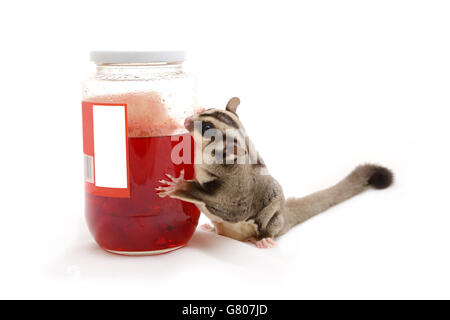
[{"x": 223, "y": 117}]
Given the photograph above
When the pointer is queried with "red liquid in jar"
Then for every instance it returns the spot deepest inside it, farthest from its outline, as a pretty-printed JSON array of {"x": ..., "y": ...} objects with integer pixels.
[{"x": 144, "y": 222}]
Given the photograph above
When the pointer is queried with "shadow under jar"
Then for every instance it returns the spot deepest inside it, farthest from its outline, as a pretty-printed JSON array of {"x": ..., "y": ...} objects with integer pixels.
[{"x": 133, "y": 135}]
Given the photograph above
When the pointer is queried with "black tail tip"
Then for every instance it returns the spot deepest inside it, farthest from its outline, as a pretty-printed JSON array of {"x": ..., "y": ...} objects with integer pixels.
[{"x": 381, "y": 177}]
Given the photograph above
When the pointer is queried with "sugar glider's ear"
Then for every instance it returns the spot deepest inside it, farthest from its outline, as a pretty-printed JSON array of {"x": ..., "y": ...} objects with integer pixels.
[{"x": 233, "y": 104}]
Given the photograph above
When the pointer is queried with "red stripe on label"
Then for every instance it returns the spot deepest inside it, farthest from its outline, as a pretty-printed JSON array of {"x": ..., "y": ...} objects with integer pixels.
[{"x": 88, "y": 129}]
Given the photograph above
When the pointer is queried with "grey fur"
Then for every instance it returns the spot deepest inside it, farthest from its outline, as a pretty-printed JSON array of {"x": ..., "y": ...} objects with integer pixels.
[{"x": 244, "y": 204}]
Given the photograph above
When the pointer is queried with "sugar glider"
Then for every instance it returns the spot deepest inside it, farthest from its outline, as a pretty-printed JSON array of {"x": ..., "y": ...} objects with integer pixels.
[{"x": 241, "y": 199}]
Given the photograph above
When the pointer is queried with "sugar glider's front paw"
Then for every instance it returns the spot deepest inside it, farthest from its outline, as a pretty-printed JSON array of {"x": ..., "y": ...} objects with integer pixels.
[{"x": 171, "y": 186}]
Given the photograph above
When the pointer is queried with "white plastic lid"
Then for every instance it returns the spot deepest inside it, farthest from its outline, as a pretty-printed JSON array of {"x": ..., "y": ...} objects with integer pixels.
[{"x": 104, "y": 57}]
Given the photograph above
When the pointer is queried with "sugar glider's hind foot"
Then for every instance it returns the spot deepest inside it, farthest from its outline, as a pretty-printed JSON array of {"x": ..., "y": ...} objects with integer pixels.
[
  {"x": 207, "y": 227},
  {"x": 264, "y": 243}
]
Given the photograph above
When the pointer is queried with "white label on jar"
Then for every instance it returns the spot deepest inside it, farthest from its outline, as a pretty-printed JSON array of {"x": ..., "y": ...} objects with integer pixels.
[{"x": 110, "y": 146}]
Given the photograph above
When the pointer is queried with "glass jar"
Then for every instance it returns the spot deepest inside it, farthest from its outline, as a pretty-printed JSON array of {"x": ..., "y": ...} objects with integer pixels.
[{"x": 133, "y": 113}]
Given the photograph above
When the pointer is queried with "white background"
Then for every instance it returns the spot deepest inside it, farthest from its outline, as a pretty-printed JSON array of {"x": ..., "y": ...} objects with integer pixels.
[{"x": 325, "y": 85}]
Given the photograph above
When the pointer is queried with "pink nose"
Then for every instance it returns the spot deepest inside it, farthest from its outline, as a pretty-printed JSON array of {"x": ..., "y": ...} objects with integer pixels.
[{"x": 189, "y": 124}]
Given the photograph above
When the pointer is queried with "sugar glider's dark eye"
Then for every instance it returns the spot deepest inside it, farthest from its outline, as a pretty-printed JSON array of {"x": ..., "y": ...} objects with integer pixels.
[{"x": 206, "y": 126}]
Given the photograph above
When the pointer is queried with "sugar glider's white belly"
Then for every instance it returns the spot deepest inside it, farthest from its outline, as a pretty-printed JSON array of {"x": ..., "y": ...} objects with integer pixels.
[{"x": 240, "y": 231}]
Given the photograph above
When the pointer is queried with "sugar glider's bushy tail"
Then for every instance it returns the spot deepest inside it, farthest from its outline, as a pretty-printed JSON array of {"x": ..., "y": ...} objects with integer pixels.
[{"x": 298, "y": 210}]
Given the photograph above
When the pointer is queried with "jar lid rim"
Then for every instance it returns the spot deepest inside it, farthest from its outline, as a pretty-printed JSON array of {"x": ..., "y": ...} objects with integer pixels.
[{"x": 105, "y": 57}]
